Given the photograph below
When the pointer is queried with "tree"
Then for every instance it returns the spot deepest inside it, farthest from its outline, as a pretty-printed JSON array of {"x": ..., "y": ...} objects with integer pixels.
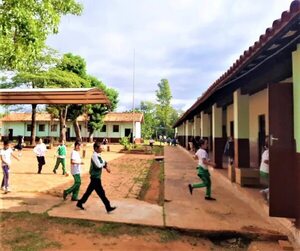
[
  {"x": 51, "y": 78},
  {"x": 149, "y": 110},
  {"x": 163, "y": 110},
  {"x": 97, "y": 112},
  {"x": 75, "y": 65},
  {"x": 25, "y": 26}
]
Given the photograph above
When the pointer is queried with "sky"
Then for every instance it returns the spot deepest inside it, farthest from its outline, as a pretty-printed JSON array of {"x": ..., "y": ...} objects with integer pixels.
[{"x": 189, "y": 42}]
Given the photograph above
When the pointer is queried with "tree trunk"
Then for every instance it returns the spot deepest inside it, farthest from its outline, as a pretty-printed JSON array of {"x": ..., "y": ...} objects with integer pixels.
[
  {"x": 91, "y": 136},
  {"x": 33, "y": 120},
  {"x": 77, "y": 130},
  {"x": 62, "y": 122}
]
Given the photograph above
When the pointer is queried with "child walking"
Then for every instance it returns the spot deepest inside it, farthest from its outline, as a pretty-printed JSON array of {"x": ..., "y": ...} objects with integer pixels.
[
  {"x": 97, "y": 163},
  {"x": 6, "y": 154},
  {"x": 61, "y": 157},
  {"x": 203, "y": 172},
  {"x": 40, "y": 151},
  {"x": 75, "y": 171}
]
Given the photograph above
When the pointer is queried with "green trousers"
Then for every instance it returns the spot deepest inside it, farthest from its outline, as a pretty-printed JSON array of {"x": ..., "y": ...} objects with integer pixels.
[
  {"x": 205, "y": 177},
  {"x": 62, "y": 162},
  {"x": 75, "y": 188}
]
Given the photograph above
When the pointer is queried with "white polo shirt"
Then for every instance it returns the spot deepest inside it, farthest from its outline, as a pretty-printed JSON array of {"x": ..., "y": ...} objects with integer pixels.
[
  {"x": 202, "y": 154},
  {"x": 75, "y": 168},
  {"x": 264, "y": 167},
  {"x": 6, "y": 156}
]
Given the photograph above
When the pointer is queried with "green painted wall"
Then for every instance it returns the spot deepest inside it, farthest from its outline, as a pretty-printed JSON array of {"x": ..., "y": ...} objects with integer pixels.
[{"x": 296, "y": 89}]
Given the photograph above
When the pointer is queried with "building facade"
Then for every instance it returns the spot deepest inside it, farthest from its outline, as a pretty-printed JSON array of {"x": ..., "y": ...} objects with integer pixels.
[
  {"x": 116, "y": 126},
  {"x": 258, "y": 96}
]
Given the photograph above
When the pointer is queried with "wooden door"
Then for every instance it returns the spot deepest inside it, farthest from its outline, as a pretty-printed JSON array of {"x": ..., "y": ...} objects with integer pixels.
[{"x": 282, "y": 151}]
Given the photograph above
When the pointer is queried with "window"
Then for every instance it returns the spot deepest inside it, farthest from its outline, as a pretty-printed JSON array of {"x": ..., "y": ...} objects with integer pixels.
[
  {"x": 42, "y": 128},
  {"x": 103, "y": 129},
  {"x": 115, "y": 128},
  {"x": 28, "y": 127},
  {"x": 53, "y": 128}
]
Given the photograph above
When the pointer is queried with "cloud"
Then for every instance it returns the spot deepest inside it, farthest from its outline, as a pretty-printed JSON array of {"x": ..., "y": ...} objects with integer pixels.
[{"x": 189, "y": 42}]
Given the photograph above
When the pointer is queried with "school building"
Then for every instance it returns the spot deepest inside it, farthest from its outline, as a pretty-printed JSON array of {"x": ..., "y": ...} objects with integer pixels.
[
  {"x": 116, "y": 125},
  {"x": 258, "y": 95}
]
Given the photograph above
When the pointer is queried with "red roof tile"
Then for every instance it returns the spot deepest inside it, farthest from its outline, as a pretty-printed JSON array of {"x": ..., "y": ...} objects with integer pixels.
[{"x": 110, "y": 117}]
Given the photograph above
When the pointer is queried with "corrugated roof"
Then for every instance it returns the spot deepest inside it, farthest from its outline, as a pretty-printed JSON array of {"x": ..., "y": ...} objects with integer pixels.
[
  {"x": 277, "y": 26},
  {"x": 110, "y": 117}
]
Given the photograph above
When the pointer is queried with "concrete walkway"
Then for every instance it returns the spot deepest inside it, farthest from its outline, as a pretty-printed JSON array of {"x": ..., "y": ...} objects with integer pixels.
[{"x": 229, "y": 214}]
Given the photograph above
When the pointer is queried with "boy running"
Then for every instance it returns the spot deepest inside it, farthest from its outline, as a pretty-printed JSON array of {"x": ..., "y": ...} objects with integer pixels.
[
  {"x": 6, "y": 154},
  {"x": 97, "y": 163},
  {"x": 61, "y": 157},
  {"x": 203, "y": 172},
  {"x": 75, "y": 171}
]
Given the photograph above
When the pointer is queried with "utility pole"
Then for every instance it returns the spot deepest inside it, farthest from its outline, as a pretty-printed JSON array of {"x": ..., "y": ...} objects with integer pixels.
[{"x": 133, "y": 82}]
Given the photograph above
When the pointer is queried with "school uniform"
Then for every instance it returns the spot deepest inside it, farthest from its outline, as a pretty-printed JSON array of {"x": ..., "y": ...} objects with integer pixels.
[
  {"x": 97, "y": 164},
  {"x": 203, "y": 173},
  {"x": 6, "y": 156},
  {"x": 40, "y": 151},
  {"x": 61, "y": 158},
  {"x": 75, "y": 171}
]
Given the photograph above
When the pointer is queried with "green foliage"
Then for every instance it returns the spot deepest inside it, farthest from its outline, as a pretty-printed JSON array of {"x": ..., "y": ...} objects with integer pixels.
[
  {"x": 97, "y": 112},
  {"x": 73, "y": 63},
  {"x": 51, "y": 78},
  {"x": 163, "y": 94},
  {"x": 25, "y": 26},
  {"x": 148, "y": 128},
  {"x": 125, "y": 142}
]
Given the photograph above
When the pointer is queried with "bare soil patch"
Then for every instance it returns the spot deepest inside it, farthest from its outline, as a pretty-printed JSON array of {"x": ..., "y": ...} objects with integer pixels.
[{"x": 24, "y": 231}]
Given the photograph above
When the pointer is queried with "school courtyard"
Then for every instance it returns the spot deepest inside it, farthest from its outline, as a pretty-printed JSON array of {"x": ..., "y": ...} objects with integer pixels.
[{"x": 237, "y": 213}]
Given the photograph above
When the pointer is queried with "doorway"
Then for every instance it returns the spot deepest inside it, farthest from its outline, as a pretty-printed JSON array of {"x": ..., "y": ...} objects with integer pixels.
[
  {"x": 283, "y": 183},
  {"x": 232, "y": 129},
  {"x": 68, "y": 134},
  {"x": 10, "y": 134},
  {"x": 127, "y": 132},
  {"x": 261, "y": 135}
]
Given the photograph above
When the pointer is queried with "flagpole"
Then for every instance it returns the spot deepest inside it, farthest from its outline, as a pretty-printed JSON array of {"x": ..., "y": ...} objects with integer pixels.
[{"x": 133, "y": 82}]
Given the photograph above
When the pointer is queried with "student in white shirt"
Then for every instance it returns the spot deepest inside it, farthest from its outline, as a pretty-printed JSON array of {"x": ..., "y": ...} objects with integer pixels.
[
  {"x": 40, "y": 150},
  {"x": 6, "y": 154},
  {"x": 203, "y": 172},
  {"x": 264, "y": 171},
  {"x": 75, "y": 171}
]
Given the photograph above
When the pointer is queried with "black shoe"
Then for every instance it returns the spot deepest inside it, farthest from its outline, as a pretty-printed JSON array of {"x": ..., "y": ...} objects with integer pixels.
[
  {"x": 54, "y": 171},
  {"x": 74, "y": 199},
  {"x": 209, "y": 198},
  {"x": 65, "y": 195},
  {"x": 191, "y": 189},
  {"x": 79, "y": 205},
  {"x": 111, "y": 209}
]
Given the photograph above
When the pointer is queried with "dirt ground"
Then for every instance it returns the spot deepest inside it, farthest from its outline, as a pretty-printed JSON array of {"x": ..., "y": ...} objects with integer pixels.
[
  {"x": 25, "y": 231},
  {"x": 124, "y": 181}
]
